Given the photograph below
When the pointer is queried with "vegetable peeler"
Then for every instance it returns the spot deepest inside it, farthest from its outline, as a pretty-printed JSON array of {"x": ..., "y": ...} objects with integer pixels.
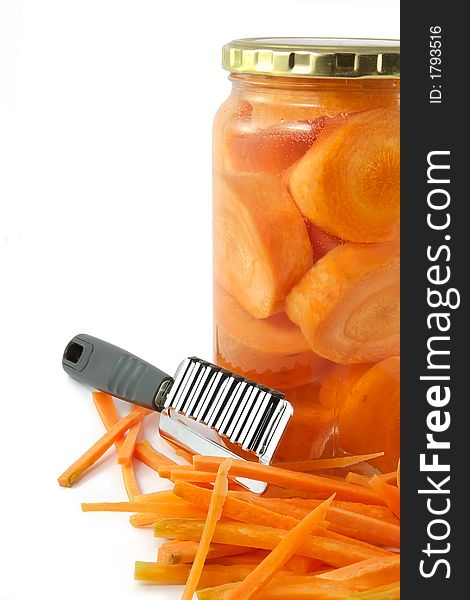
[{"x": 204, "y": 409}]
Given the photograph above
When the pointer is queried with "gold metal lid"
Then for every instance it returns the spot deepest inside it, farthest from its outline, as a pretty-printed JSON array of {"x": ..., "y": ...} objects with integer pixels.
[{"x": 313, "y": 57}]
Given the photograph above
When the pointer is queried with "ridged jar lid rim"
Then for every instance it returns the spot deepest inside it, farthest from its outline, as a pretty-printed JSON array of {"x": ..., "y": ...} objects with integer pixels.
[{"x": 313, "y": 57}]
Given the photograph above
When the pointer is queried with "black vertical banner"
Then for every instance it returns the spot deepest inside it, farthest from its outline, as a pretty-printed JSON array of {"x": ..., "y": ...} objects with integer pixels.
[{"x": 435, "y": 474}]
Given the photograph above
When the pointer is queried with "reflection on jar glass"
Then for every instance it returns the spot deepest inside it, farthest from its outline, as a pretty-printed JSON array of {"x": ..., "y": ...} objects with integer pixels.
[{"x": 306, "y": 166}]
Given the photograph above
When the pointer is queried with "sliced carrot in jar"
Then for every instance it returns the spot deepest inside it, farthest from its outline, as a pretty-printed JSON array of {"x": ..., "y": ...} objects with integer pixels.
[
  {"x": 348, "y": 304},
  {"x": 337, "y": 381},
  {"x": 276, "y": 370},
  {"x": 369, "y": 420},
  {"x": 348, "y": 183},
  {"x": 261, "y": 244},
  {"x": 276, "y": 334},
  {"x": 269, "y": 150}
]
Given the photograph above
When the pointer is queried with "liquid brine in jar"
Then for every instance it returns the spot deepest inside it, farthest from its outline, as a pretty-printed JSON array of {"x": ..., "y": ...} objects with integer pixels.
[{"x": 306, "y": 180}]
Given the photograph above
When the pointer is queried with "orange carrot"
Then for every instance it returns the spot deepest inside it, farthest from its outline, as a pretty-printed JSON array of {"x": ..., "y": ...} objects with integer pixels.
[
  {"x": 180, "y": 574},
  {"x": 99, "y": 448},
  {"x": 170, "y": 508},
  {"x": 333, "y": 302},
  {"x": 385, "y": 592},
  {"x": 368, "y": 573},
  {"x": 390, "y": 494},
  {"x": 389, "y": 477},
  {"x": 286, "y": 548},
  {"x": 354, "y": 525},
  {"x": 180, "y": 552},
  {"x": 163, "y": 496},
  {"x": 234, "y": 508},
  {"x": 357, "y": 479},
  {"x": 192, "y": 476},
  {"x": 127, "y": 449},
  {"x": 165, "y": 470},
  {"x": 214, "y": 514},
  {"x": 286, "y": 588},
  {"x": 149, "y": 456},
  {"x": 327, "y": 463},
  {"x": 290, "y": 479},
  {"x": 335, "y": 552},
  {"x": 109, "y": 415}
]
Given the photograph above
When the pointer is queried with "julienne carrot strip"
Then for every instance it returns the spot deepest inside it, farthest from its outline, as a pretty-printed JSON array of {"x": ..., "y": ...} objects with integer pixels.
[
  {"x": 149, "y": 456},
  {"x": 291, "y": 479},
  {"x": 163, "y": 496},
  {"x": 127, "y": 449},
  {"x": 192, "y": 476},
  {"x": 181, "y": 452},
  {"x": 179, "y": 574},
  {"x": 286, "y": 548},
  {"x": 109, "y": 415},
  {"x": 165, "y": 470},
  {"x": 333, "y": 552},
  {"x": 327, "y": 463},
  {"x": 357, "y": 479},
  {"x": 354, "y": 525},
  {"x": 234, "y": 508},
  {"x": 99, "y": 448},
  {"x": 386, "y": 592},
  {"x": 145, "y": 519},
  {"x": 214, "y": 514},
  {"x": 389, "y": 494},
  {"x": 179, "y": 552},
  {"x": 368, "y": 573},
  {"x": 169, "y": 508}
]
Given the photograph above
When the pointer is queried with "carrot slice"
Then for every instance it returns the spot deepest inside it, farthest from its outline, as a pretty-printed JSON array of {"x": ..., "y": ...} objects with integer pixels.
[
  {"x": 261, "y": 243},
  {"x": 390, "y": 494},
  {"x": 288, "y": 589},
  {"x": 180, "y": 552},
  {"x": 156, "y": 497},
  {"x": 99, "y": 448},
  {"x": 337, "y": 381},
  {"x": 214, "y": 513},
  {"x": 127, "y": 449},
  {"x": 165, "y": 470},
  {"x": 347, "y": 305},
  {"x": 274, "y": 335},
  {"x": 335, "y": 552},
  {"x": 367, "y": 574},
  {"x": 327, "y": 463},
  {"x": 374, "y": 399},
  {"x": 349, "y": 181},
  {"x": 180, "y": 574},
  {"x": 286, "y": 548},
  {"x": 109, "y": 415},
  {"x": 268, "y": 150},
  {"x": 290, "y": 479}
]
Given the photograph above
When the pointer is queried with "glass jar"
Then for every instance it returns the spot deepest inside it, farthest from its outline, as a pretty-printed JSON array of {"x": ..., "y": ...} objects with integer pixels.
[{"x": 306, "y": 159}]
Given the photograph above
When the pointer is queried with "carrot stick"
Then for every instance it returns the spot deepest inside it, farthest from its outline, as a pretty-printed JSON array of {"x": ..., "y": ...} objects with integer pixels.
[
  {"x": 156, "y": 497},
  {"x": 357, "y": 479},
  {"x": 331, "y": 551},
  {"x": 99, "y": 448},
  {"x": 127, "y": 449},
  {"x": 165, "y": 470},
  {"x": 345, "y": 522},
  {"x": 234, "y": 508},
  {"x": 145, "y": 452},
  {"x": 109, "y": 415},
  {"x": 169, "y": 508},
  {"x": 167, "y": 511},
  {"x": 386, "y": 592},
  {"x": 180, "y": 552},
  {"x": 389, "y": 477},
  {"x": 390, "y": 494},
  {"x": 179, "y": 574},
  {"x": 145, "y": 519},
  {"x": 290, "y": 479},
  {"x": 286, "y": 548},
  {"x": 214, "y": 514},
  {"x": 192, "y": 476},
  {"x": 368, "y": 573},
  {"x": 327, "y": 463},
  {"x": 288, "y": 589}
]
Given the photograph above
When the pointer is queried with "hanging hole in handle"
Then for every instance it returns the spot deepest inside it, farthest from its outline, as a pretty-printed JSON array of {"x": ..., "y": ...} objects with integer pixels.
[{"x": 73, "y": 352}]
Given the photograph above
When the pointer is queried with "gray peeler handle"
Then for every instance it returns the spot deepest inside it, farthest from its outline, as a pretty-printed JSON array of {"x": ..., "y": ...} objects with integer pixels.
[{"x": 110, "y": 369}]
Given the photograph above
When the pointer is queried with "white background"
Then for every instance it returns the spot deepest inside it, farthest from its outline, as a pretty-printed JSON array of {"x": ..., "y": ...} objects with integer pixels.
[{"x": 105, "y": 228}]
